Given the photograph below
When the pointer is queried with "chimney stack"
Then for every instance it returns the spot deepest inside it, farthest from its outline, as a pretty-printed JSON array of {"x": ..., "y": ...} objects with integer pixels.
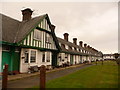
[
  {"x": 53, "y": 28},
  {"x": 85, "y": 45},
  {"x": 88, "y": 47},
  {"x": 75, "y": 41},
  {"x": 27, "y": 13},
  {"x": 81, "y": 43},
  {"x": 66, "y": 36}
]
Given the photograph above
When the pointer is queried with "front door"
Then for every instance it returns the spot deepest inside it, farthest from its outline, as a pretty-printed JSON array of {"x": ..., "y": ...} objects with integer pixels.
[
  {"x": 6, "y": 59},
  {"x": 16, "y": 61},
  {"x": 71, "y": 59},
  {"x": 54, "y": 58}
]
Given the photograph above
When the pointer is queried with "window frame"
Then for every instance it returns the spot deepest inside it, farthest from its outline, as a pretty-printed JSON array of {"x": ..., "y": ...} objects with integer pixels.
[
  {"x": 33, "y": 61},
  {"x": 37, "y": 35},
  {"x": 43, "y": 57}
]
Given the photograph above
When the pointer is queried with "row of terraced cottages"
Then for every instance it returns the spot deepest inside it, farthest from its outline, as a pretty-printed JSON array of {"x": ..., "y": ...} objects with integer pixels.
[{"x": 32, "y": 42}]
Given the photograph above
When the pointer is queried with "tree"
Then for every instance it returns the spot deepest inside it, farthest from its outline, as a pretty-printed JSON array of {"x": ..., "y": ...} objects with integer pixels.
[{"x": 116, "y": 55}]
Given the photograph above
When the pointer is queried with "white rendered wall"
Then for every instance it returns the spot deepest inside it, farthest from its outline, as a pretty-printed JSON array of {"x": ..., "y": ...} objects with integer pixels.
[
  {"x": 24, "y": 66},
  {"x": 0, "y": 59}
]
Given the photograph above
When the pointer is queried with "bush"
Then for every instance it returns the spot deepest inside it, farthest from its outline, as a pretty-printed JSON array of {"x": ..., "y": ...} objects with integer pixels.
[{"x": 118, "y": 61}]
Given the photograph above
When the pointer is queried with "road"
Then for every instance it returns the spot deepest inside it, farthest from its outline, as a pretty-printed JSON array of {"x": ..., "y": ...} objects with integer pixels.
[{"x": 34, "y": 80}]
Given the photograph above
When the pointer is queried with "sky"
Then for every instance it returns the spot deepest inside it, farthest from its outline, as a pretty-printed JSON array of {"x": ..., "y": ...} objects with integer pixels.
[{"x": 94, "y": 23}]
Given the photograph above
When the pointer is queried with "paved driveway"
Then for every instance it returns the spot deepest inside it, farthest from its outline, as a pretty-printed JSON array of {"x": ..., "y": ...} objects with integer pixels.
[{"x": 34, "y": 81}]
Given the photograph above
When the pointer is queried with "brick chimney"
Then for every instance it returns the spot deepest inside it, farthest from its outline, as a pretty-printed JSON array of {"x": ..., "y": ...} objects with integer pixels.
[
  {"x": 75, "y": 41},
  {"x": 85, "y": 45},
  {"x": 27, "y": 13},
  {"x": 66, "y": 36},
  {"x": 81, "y": 43}
]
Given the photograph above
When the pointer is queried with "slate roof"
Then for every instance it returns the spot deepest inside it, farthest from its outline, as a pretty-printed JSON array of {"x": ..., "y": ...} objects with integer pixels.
[
  {"x": 63, "y": 49},
  {"x": 62, "y": 41},
  {"x": 108, "y": 55},
  {"x": 14, "y": 31},
  {"x": 9, "y": 28}
]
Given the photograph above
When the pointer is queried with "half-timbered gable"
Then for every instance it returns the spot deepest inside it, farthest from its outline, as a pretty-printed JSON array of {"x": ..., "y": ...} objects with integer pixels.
[{"x": 40, "y": 36}]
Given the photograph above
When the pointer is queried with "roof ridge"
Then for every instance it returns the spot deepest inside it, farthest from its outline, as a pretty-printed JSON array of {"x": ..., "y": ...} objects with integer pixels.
[
  {"x": 68, "y": 42},
  {"x": 9, "y": 17}
]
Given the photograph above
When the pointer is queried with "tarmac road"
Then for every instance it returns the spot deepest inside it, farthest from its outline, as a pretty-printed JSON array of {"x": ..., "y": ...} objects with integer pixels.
[{"x": 34, "y": 80}]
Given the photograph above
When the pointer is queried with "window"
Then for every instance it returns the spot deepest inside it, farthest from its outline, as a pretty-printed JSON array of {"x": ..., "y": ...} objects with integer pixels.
[
  {"x": 43, "y": 57},
  {"x": 66, "y": 56},
  {"x": 5, "y": 48},
  {"x": 62, "y": 45},
  {"x": 47, "y": 38},
  {"x": 70, "y": 47},
  {"x": 17, "y": 49},
  {"x": 75, "y": 49},
  {"x": 33, "y": 56},
  {"x": 39, "y": 25},
  {"x": 37, "y": 35},
  {"x": 48, "y": 57},
  {"x": 59, "y": 57},
  {"x": 45, "y": 24},
  {"x": 26, "y": 56},
  {"x": 66, "y": 46}
]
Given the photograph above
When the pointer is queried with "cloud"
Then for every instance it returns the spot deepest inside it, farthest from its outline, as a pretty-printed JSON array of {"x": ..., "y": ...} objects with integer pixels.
[{"x": 95, "y": 23}]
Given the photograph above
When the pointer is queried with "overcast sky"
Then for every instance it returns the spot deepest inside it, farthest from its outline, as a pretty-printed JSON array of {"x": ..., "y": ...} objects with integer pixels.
[{"x": 95, "y": 23}]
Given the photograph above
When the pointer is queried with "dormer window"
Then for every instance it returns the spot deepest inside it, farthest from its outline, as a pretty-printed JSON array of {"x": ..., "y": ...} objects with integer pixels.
[
  {"x": 63, "y": 45},
  {"x": 39, "y": 25},
  {"x": 75, "y": 49},
  {"x": 66, "y": 46},
  {"x": 70, "y": 47},
  {"x": 60, "y": 44}
]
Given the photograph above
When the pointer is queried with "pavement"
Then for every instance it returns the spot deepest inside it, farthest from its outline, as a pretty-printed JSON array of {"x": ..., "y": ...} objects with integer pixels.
[{"x": 30, "y": 80}]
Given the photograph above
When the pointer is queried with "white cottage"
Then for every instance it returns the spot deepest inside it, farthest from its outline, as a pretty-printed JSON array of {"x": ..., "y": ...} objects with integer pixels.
[
  {"x": 75, "y": 54},
  {"x": 30, "y": 42}
]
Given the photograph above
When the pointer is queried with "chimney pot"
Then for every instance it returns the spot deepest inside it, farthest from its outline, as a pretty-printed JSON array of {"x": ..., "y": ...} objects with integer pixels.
[{"x": 66, "y": 36}]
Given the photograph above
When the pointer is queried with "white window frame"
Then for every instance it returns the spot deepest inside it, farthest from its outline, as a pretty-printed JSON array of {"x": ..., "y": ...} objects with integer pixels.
[
  {"x": 35, "y": 56},
  {"x": 39, "y": 33}
]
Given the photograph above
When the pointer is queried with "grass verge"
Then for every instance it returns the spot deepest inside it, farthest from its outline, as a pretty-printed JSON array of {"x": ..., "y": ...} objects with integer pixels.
[{"x": 97, "y": 76}]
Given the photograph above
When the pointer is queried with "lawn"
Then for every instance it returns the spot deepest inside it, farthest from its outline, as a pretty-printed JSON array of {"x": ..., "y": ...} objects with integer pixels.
[{"x": 96, "y": 76}]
